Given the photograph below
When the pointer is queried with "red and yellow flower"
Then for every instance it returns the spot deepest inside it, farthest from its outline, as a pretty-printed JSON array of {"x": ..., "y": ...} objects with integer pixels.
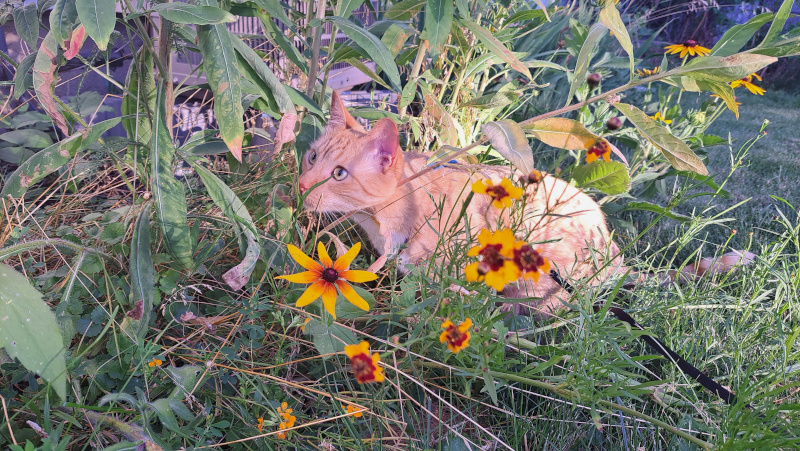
[
  {"x": 326, "y": 277},
  {"x": 365, "y": 367},
  {"x": 599, "y": 148},
  {"x": 501, "y": 194},
  {"x": 457, "y": 337},
  {"x": 648, "y": 72},
  {"x": 690, "y": 47},
  {"x": 659, "y": 117},
  {"x": 350, "y": 411},
  {"x": 496, "y": 267},
  {"x": 530, "y": 261},
  {"x": 747, "y": 82}
]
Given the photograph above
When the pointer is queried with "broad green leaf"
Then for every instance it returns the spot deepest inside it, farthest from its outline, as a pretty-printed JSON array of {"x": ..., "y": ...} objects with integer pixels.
[
  {"x": 299, "y": 98},
  {"x": 142, "y": 272},
  {"x": 675, "y": 150},
  {"x": 98, "y": 17},
  {"x": 346, "y": 310},
  {"x": 168, "y": 194},
  {"x": 34, "y": 139},
  {"x": 358, "y": 64},
  {"x": 26, "y": 21},
  {"x": 23, "y": 78},
  {"x": 346, "y": 7},
  {"x": 277, "y": 38},
  {"x": 508, "y": 138},
  {"x": 724, "y": 68},
  {"x": 438, "y": 20},
  {"x": 610, "y": 177},
  {"x": 186, "y": 13},
  {"x": 329, "y": 339},
  {"x": 45, "y": 75},
  {"x": 49, "y": 160},
  {"x": 15, "y": 155},
  {"x": 521, "y": 16},
  {"x": 216, "y": 147},
  {"x": 275, "y": 9},
  {"x": 596, "y": 33},
  {"x": 219, "y": 63},
  {"x": 562, "y": 133},
  {"x": 142, "y": 105},
  {"x": 780, "y": 21},
  {"x": 404, "y": 10},
  {"x": 396, "y": 36},
  {"x": 63, "y": 19},
  {"x": 610, "y": 17},
  {"x": 262, "y": 76},
  {"x": 372, "y": 46},
  {"x": 737, "y": 36},
  {"x": 495, "y": 46},
  {"x": 408, "y": 94},
  {"x": 29, "y": 331}
]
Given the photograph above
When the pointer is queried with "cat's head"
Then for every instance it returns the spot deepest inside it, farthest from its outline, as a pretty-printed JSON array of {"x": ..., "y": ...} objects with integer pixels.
[{"x": 360, "y": 168}]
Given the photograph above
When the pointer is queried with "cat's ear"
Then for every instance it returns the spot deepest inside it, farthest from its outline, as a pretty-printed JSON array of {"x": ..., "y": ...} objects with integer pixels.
[
  {"x": 340, "y": 117},
  {"x": 386, "y": 142}
]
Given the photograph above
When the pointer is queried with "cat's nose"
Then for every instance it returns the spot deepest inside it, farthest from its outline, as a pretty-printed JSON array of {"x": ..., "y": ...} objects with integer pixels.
[{"x": 302, "y": 187}]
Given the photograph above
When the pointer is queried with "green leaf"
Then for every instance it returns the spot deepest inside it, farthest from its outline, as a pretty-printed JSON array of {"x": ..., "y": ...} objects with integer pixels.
[
  {"x": 34, "y": 139},
  {"x": 676, "y": 151},
  {"x": 142, "y": 271},
  {"x": 495, "y": 46},
  {"x": 738, "y": 35},
  {"x": 358, "y": 64},
  {"x": 725, "y": 92},
  {"x": 562, "y": 133},
  {"x": 346, "y": 310},
  {"x": 647, "y": 206},
  {"x": 521, "y": 16},
  {"x": 610, "y": 17},
  {"x": 346, "y": 7},
  {"x": 596, "y": 33},
  {"x": 29, "y": 331},
  {"x": 277, "y": 38},
  {"x": 262, "y": 76},
  {"x": 98, "y": 17},
  {"x": 23, "y": 78},
  {"x": 396, "y": 36},
  {"x": 508, "y": 138},
  {"x": 610, "y": 177},
  {"x": 142, "y": 104},
  {"x": 219, "y": 63},
  {"x": 491, "y": 100},
  {"x": 63, "y": 19},
  {"x": 438, "y": 20},
  {"x": 329, "y": 339},
  {"x": 404, "y": 10},
  {"x": 186, "y": 13},
  {"x": 26, "y": 21},
  {"x": 724, "y": 68},
  {"x": 45, "y": 75},
  {"x": 780, "y": 21},
  {"x": 275, "y": 9},
  {"x": 376, "y": 49},
  {"x": 168, "y": 194}
]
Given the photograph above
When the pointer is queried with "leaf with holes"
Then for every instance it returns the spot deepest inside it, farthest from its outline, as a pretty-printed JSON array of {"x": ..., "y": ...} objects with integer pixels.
[
  {"x": 609, "y": 177},
  {"x": 29, "y": 331},
  {"x": 676, "y": 151},
  {"x": 562, "y": 133},
  {"x": 99, "y": 18},
  {"x": 508, "y": 138}
]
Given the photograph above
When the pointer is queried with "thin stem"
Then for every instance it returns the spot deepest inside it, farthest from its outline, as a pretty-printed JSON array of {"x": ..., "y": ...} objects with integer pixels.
[
  {"x": 19, "y": 248},
  {"x": 423, "y": 48},
  {"x": 315, "y": 46}
]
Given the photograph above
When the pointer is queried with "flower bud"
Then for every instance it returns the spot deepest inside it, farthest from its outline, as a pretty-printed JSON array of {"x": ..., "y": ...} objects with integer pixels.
[
  {"x": 614, "y": 123},
  {"x": 593, "y": 80}
]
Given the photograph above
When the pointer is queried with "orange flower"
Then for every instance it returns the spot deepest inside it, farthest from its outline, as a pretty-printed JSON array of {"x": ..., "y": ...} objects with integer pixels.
[
  {"x": 659, "y": 117},
  {"x": 530, "y": 261},
  {"x": 747, "y": 82},
  {"x": 648, "y": 72},
  {"x": 690, "y": 47},
  {"x": 501, "y": 194},
  {"x": 284, "y": 409},
  {"x": 599, "y": 148},
  {"x": 457, "y": 337},
  {"x": 350, "y": 409},
  {"x": 365, "y": 368},
  {"x": 260, "y": 424},
  {"x": 154, "y": 362},
  {"x": 325, "y": 278},
  {"x": 496, "y": 266},
  {"x": 281, "y": 435}
]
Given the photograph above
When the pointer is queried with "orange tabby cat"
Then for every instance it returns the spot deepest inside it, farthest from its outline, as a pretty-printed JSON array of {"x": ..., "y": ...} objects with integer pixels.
[{"x": 362, "y": 169}]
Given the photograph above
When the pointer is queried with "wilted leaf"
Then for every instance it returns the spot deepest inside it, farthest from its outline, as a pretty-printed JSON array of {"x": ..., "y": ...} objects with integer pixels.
[
  {"x": 63, "y": 19},
  {"x": 45, "y": 71},
  {"x": 186, "y": 13},
  {"x": 438, "y": 20},
  {"x": 497, "y": 47},
  {"x": 508, "y": 138},
  {"x": 609, "y": 177},
  {"x": 448, "y": 134},
  {"x": 675, "y": 150},
  {"x": 562, "y": 133},
  {"x": 29, "y": 331},
  {"x": 73, "y": 45},
  {"x": 99, "y": 18},
  {"x": 285, "y": 133},
  {"x": 395, "y": 36}
]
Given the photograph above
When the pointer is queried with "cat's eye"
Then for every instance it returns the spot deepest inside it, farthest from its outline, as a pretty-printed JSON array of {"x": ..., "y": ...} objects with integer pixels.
[
  {"x": 339, "y": 173},
  {"x": 312, "y": 157}
]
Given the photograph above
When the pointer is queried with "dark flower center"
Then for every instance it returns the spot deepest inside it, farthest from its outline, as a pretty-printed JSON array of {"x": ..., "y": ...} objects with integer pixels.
[
  {"x": 599, "y": 148},
  {"x": 690, "y": 43},
  {"x": 497, "y": 191},
  {"x": 363, "y": 368},
  {"x": 330, "y": 275},
  {"x": 491, "y": 256},
  {"x": 528, "y": 259},
  {"x": 455, "y": 337}
]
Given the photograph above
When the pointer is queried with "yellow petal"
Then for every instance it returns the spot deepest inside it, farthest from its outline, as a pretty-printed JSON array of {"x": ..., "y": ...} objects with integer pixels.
[
  {"x": 303, "y": 260},
  {"x": 472, "y": 273},
  {"x": 343, "y": 262},
  {"x": 498, "y": 204},
  {"x": 479, "y": 187},
  {"x": 324, "y": 258},
  {"x": 351, "y": 295},
  {"x": 312, "y": 293},
  {"x": 590, "y": 157},
  {"x": 329, "y": 298},
  {"x": 496, "y": 280},
  {"x": 356, "y": 276},
  {"x": 443, "y": 336},
  {"x": 354, "y": 350},
  {"x": 463, "y": 327},
  {"x": 473, "y": 252},
  {"x": 546, "y": 267},
  {"x": 302, "y": 277},
  {"x": 511, "y": 271}
]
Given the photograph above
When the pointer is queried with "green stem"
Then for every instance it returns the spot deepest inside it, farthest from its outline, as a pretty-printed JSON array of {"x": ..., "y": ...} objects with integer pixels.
[
  {"x": 19, "y": 248},
  {"x": 421, "y": 50},
  {"x": 315, "y": 46}
]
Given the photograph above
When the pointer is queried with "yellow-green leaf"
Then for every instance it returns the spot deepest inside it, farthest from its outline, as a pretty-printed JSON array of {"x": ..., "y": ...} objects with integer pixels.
[
  {"x": 610, "y": 177},
  {"x": 597, "y": 31},
  {"x": 610, "y": 17},
  {"x": 497, "y": 47},
  {"x": 562, "y": 133},
  {"x": 508, "y": 138}
]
